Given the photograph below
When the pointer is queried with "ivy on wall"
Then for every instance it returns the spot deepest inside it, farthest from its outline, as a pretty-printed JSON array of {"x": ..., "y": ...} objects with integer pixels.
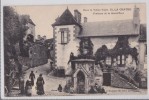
[{"x": 85, "y": 48}]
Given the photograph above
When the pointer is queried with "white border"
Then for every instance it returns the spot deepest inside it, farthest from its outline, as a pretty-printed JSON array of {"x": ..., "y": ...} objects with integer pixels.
[{"x": 57, "y": 2}]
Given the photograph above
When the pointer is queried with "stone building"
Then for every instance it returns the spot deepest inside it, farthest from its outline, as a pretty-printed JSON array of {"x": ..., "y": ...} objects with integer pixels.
[
  {"x": 83, "y": 75},
  {"x": 68, "y": 31},
  {"x": 116, "y": 43},
  {"x": 31, "y": 26},
  {"x": 143, "y": 46}
]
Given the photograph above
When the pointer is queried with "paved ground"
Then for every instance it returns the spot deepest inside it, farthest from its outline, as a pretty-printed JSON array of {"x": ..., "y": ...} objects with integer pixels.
[{"x": 51, "y": 84}]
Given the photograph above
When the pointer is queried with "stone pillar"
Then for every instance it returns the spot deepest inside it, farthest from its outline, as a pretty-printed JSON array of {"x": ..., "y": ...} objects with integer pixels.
[
  {"x": 75, "y": 84},
  {"x": 86, "y": 85}
]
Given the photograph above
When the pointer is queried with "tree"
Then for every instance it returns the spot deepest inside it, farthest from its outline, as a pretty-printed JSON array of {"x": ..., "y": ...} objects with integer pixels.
[
  {"x": 13, "y": 33},
  {"x": 101, "y": 53}
]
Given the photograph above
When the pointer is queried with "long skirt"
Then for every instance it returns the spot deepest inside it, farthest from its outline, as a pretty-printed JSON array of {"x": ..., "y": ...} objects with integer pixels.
[
  {"x": 40, "y": 90},
  {"x": 28, "y": 90},
  {"x": 32, "y": 81}
]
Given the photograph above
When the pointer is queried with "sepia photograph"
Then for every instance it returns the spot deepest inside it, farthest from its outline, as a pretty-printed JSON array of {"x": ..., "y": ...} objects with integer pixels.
[{"x": 75, "y": 50}]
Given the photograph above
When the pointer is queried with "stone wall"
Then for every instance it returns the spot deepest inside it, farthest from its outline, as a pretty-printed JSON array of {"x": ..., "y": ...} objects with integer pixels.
[
  {"x": 38, "y": 55},
  {"x": 24, "y": 61}
]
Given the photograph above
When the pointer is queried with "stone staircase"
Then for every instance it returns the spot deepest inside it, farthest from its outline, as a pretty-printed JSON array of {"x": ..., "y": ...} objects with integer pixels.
[{"x": 119, "y": 81}]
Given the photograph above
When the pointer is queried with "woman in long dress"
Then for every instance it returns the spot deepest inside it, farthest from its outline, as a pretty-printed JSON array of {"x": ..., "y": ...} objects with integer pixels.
[
  {"x": 28, "y": 88},
  {"x": 40, "y": 82}
]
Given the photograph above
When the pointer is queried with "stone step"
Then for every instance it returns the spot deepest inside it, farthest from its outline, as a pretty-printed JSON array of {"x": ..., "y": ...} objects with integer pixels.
[{"x": 118, "y": 81}]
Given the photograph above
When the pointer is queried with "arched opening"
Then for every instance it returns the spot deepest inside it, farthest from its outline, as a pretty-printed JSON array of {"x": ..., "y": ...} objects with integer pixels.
[{"x": 80, "y": 82}]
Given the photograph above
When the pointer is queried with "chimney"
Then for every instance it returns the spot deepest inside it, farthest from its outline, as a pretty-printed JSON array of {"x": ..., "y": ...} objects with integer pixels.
[
  {"x": 136, "y": 15},
  {"x": 85, "y": 19},
  {"x": 136, "y": 20},
  {"x": 77, "y": 16}
]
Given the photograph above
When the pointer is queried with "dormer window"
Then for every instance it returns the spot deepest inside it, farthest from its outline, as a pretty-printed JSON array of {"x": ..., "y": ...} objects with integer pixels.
[{"x": 64, "y": 35}]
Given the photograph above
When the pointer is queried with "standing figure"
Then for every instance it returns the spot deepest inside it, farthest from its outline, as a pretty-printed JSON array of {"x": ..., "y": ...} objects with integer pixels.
[
  {"x": 40, "y": 83},
  {"x": 59, "y": 88},
  {"x": 22, "y": 85},
  {"x": 92, "y": 90},
  {"x": 28, "y": 88},
  {"x": 71, "y": 89},
  {"x": 32, "y": 77}
]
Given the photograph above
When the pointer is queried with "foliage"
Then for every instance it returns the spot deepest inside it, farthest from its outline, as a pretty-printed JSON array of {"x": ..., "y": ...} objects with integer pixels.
[
  {"x": 14, "y": 31},
  {"x": 101, "y": 53},
  {"x": 121, "y": 48},
  {"x": 86, "y": 48},
  {"x": 26, "y": 44}
]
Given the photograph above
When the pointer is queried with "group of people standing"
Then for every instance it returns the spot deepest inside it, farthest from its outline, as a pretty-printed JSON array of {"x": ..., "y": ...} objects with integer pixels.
[
  {"x": 97, "y": 89},
  {"x": 39, "y": 84}
]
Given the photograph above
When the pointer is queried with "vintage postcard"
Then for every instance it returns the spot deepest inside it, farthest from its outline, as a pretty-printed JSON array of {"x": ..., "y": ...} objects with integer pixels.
[{"x": 74, "y": 50}]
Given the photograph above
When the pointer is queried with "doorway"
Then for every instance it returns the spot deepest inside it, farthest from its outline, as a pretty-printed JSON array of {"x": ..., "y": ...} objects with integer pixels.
[
  {"x": 106, "y": 79},
  {"x": 80, "y": 82}
]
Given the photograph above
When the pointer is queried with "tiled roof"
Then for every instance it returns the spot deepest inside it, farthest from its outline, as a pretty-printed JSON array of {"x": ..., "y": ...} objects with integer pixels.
[
  {"x": 65, "y": 19},
  {"x": 108, "y": 28},
  {"x": 143, "y": 33}
]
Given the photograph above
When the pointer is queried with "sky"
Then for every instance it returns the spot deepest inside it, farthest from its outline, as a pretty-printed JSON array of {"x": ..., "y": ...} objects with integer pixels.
[{"x": 44, "y": 16}]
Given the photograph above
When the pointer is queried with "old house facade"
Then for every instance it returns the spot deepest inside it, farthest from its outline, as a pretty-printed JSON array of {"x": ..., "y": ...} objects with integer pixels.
[
  {"x": 65, "y": 29},
  {"x": 116, "y": 48},
  {"x": 68, "y": 31}
]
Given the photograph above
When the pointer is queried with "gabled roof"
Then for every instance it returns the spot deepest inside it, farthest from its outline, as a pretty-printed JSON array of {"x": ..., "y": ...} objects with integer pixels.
[
  {"x": 65, "y": 19},
  {"x": 108, "y": 28},
  {"x": 143, "y": 33}
]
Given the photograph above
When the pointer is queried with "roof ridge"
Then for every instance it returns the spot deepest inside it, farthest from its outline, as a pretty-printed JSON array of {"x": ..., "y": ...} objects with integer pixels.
[
  {"x": 66, "y": 18},
  {"x": 72, "y": 16},
  {"x": 108, "y": 28},
  {"x": 109, "y": 21}
]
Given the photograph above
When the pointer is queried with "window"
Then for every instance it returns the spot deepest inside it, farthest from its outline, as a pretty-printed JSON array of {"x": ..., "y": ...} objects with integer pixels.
[
  {"x": 145, "y": 49},
  {"x": 64, "y": 35},
  {"x": 118, "y": 60},
  {"x": 121, "y": 60},
  {"x": 108, "y": 60}
]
